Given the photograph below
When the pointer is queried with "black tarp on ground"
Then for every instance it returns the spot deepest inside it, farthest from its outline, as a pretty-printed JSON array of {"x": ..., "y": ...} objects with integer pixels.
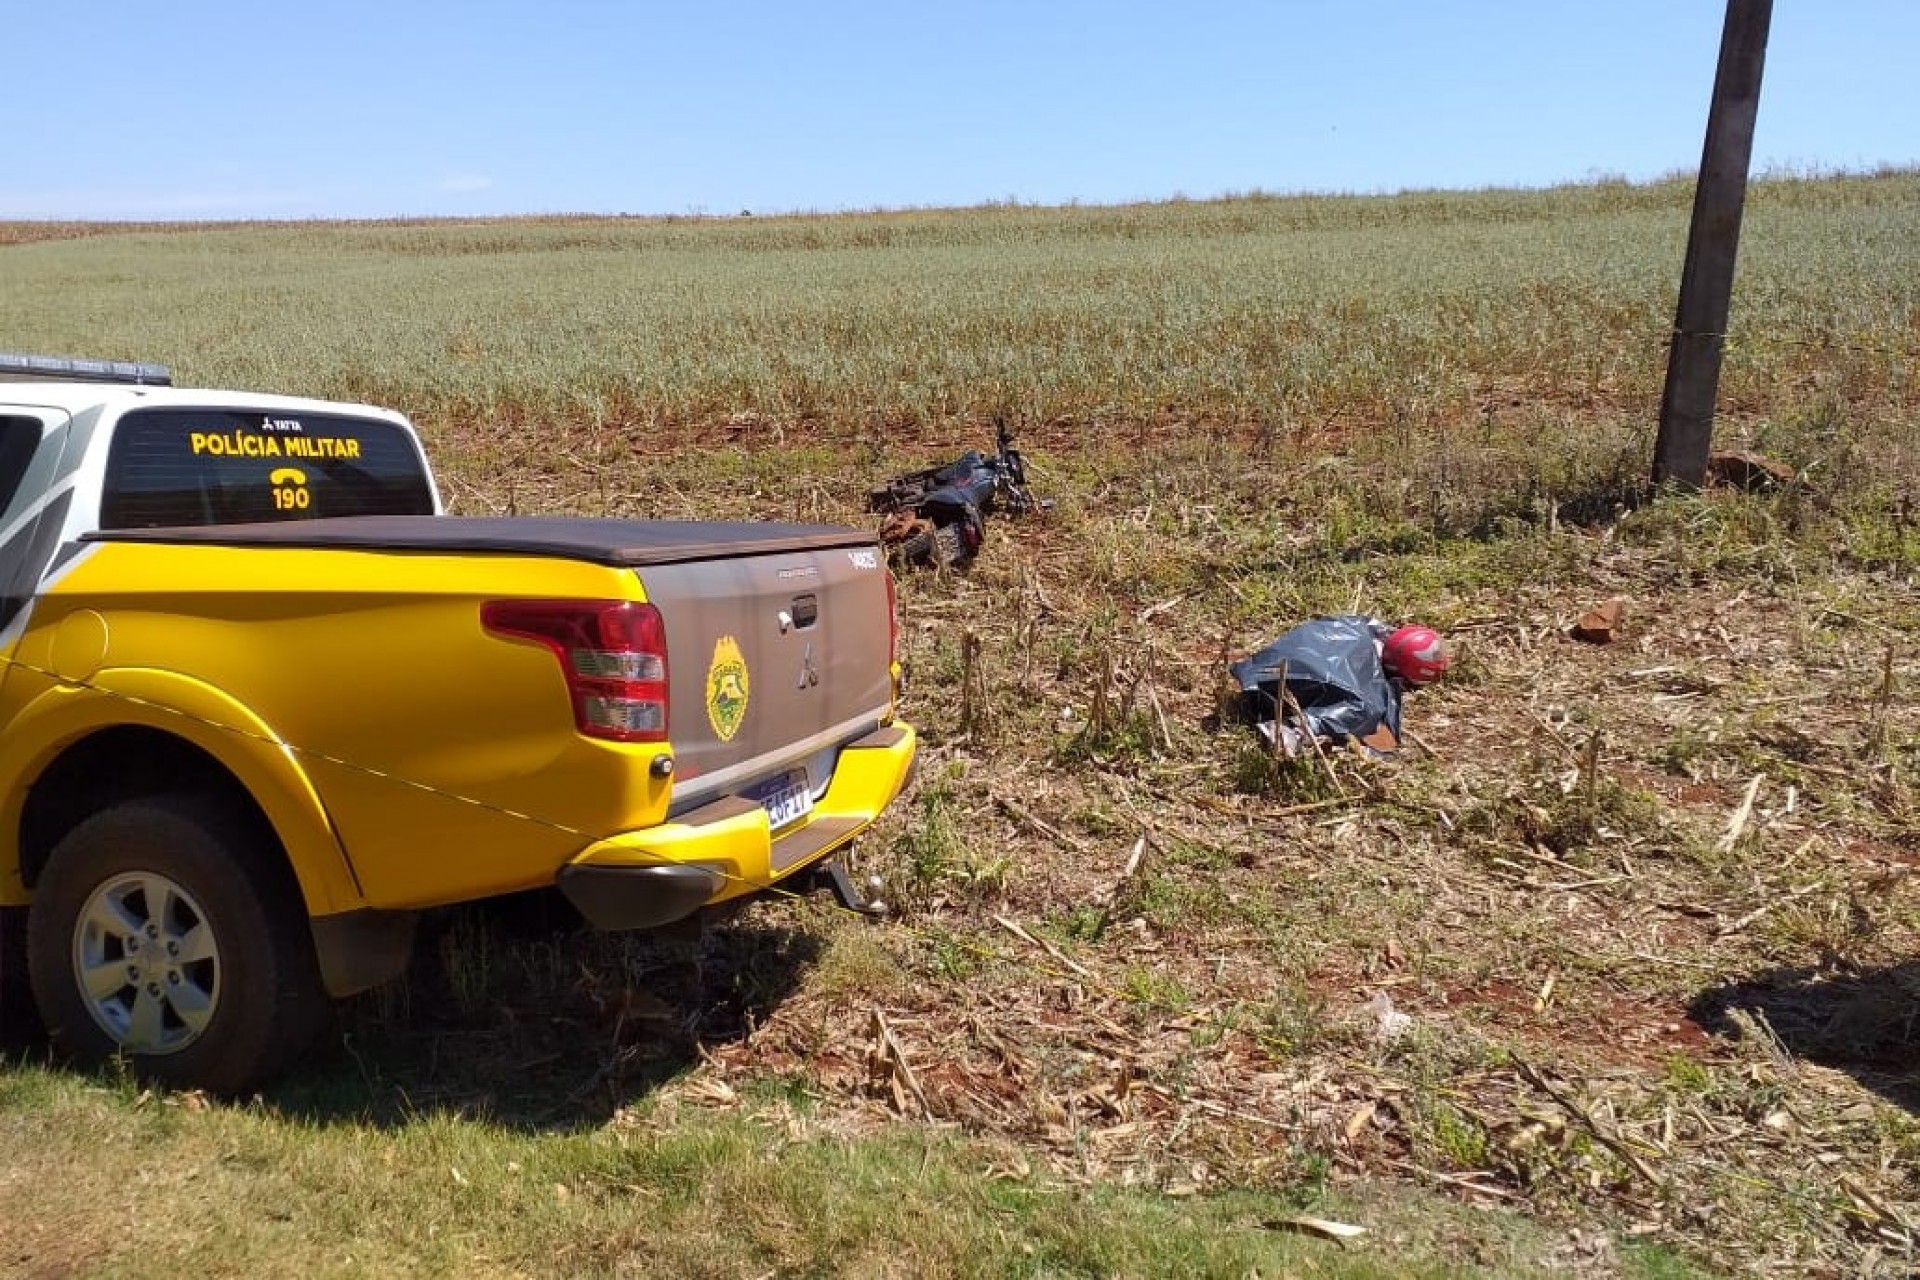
[{"x": 1332, "y": 669}]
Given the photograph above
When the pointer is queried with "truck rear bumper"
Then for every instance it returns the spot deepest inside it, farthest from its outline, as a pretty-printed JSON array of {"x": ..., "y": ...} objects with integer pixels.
[
  {"x": 726, "y": 849},
  {"x": 613, "y": 897}
]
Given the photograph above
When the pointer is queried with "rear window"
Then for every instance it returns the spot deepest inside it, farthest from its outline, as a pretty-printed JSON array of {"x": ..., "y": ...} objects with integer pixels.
[{"x": 223, "y": 466}]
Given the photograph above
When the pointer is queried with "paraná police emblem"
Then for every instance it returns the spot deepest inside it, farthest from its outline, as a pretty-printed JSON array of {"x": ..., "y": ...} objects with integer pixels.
[{"x": 727, "y": 688}]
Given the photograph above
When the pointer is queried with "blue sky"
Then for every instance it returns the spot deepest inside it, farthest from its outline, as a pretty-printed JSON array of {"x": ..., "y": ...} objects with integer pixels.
[{"x": 353, "y": 109}]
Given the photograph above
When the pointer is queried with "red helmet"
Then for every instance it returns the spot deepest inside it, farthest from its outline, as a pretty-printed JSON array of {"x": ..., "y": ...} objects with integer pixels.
[{"x": 1416, "y": 654}]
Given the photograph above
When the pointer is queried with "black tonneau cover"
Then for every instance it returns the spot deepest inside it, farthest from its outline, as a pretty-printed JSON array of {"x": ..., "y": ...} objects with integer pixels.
[{"x": 621, "y": 543}]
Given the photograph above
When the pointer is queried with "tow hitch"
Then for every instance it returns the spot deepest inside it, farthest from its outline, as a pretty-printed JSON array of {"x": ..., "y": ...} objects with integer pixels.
[{"x": 833, "y": 877}]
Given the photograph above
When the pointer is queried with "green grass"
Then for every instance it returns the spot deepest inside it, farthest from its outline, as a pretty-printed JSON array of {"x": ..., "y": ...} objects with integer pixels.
[
  {"x": 682, "y": 1191},
  {"x": 1285, "y": 314}
]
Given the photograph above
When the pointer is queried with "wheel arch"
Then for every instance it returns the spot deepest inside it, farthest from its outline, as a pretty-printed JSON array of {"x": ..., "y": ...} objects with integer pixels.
[
  {"x": 97, "y": 749},
  {"x": 111, "y": 766}
]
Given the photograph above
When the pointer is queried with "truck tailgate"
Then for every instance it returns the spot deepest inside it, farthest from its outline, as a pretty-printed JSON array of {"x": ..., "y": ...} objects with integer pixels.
[{"x": 775, "y": 661}]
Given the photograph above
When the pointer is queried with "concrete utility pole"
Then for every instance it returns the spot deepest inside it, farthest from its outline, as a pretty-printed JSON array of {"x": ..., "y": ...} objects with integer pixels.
[{"x": 1706, "y": 281}]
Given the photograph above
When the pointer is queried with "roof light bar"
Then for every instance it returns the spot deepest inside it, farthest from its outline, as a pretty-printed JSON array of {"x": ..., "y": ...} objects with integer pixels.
[{"x": 15, "y": 367}]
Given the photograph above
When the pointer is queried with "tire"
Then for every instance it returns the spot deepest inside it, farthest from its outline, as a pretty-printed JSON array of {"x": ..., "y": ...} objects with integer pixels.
[
  {"x": 950, "y": 547},
  {"x": 155, "y": 937},
  {"x": 19, "y": 1020},
  {"x": 941, "y": 547}
]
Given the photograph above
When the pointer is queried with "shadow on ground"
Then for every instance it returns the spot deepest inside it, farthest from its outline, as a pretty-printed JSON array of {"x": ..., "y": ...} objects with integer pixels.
[
  {"x": 1865, "y": 1023},
  {"x": 506, "y": 1019}
]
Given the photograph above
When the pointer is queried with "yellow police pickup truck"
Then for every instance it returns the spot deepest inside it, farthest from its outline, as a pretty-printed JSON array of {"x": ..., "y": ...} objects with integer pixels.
[{"x": 262, "y": 702}]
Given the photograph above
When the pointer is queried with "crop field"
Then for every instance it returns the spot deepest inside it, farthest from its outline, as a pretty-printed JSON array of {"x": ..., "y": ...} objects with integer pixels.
[{"x": 1612, "y": 970}]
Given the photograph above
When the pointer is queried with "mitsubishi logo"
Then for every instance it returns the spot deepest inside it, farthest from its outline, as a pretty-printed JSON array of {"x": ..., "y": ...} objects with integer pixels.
[{"x": 809, "y": 674}]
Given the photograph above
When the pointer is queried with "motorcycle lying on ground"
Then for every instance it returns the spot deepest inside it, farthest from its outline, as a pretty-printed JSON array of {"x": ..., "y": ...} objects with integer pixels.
[{"x": 937, "y": 516}]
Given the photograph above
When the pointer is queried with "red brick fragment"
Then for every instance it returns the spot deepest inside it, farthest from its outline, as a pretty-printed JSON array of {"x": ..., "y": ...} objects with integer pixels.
[{"x": 1597, "y": 625}]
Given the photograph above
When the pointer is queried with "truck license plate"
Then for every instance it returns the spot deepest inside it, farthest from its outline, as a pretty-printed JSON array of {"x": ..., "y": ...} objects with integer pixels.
[{"x": 786, "y": 799}]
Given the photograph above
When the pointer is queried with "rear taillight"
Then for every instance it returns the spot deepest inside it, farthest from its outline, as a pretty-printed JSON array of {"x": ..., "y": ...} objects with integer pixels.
[{"x": 613, "y": 654}]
